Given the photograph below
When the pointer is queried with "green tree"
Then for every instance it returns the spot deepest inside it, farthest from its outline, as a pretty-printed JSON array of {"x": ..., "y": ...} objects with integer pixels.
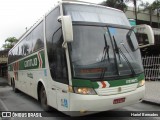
[
  {"x": 118, "y": 4},
  {"x": 156, "y": 7},
  {"x": 151, "y": 8},
  {"x": 10, "y": 42}
]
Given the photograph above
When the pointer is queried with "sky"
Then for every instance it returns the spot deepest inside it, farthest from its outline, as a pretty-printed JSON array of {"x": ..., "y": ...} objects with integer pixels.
[{"x": 17, "y": 15}]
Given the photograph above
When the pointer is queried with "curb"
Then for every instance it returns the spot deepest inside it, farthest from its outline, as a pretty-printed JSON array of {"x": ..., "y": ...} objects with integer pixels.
[{"x": 151, "y": 102}]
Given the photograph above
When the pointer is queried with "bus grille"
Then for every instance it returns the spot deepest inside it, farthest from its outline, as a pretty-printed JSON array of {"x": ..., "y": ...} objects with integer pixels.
[{"x": 116, "y": 90}]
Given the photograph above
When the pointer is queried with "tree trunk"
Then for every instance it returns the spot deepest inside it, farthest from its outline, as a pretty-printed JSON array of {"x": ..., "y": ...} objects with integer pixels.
[
  {"x": 150, "y": 15},
  {"x": 135, "y": 9},
  {"x": 158, "y": 17}
]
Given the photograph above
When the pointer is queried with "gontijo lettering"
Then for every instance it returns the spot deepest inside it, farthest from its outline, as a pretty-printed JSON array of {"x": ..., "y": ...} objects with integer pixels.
[{"x": 30, "y": 63}]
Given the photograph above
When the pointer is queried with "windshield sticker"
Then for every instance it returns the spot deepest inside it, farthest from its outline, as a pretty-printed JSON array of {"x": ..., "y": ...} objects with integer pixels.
[
  {"x": 45, "y": 72},
  {"x": 112, "y": 30}
]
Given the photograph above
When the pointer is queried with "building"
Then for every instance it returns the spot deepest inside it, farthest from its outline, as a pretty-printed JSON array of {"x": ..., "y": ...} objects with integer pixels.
[
  {"x": 3, "y": 62},
  {"x": 143, "y": 17}
]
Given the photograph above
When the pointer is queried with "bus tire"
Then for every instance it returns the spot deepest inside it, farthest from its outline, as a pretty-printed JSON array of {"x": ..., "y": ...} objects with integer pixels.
[
  {"x": 43, "y": 99},
  {"x": 14, "y": 87}
]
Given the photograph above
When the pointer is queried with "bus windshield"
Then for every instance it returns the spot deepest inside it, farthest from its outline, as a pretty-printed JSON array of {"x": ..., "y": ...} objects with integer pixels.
[
  {"x": 99, "y": 14},
  {"x": 93, "y": 52}
]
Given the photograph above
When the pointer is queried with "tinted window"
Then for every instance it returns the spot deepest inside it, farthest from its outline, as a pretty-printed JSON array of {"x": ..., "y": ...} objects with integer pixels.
[
  {"x": 31, "y": 43},
  {"x": 57, "y": 59},
  {"x": 142, "y": 38},
  {"x": 10, "y": 58},
  {"x": 52, "y": 25},
  {"x": 56, "y": 54},
  {"x": 15, "y": 53},
  {"x": 28, "y": 44},
  {"x": 37, "y": 38}
]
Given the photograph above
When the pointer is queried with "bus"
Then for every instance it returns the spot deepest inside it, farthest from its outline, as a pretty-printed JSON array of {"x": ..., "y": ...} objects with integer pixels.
[
  {"x": 143, "y": 38},
  {"x": 132, "y": 22},
  {"x": 80, "y": 57},
  {"x": 156, "y": 32}
]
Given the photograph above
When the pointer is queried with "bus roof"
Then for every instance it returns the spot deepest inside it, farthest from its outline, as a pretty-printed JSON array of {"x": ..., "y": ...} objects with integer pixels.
[
  {"x": 59, "y": 3},
  {"x": 88, "y": 3}
]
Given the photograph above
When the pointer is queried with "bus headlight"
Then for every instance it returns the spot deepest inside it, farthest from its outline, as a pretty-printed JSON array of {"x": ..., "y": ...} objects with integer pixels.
[
  {"x": 141, "y": 83},
  {"x": 84, "y": 91}
]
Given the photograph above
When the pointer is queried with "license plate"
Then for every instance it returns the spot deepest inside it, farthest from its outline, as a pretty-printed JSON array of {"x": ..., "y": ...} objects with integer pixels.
[{"x": 119, "y": 100}]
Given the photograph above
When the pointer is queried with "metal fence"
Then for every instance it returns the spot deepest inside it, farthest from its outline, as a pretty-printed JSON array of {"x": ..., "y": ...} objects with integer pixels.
[{"x": 151, "y": 67}]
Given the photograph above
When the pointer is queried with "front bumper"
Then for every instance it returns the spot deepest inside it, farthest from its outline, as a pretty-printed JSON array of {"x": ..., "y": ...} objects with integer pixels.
[{"x": 87, "y": 104}]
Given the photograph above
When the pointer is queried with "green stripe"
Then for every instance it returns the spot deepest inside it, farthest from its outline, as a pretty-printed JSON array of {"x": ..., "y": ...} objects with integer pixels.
[
  {"x": 141, "y": 77},
  {"x": 113, "y": 83},
  {"x": 31, "y": 62},
  {"x": 84, "y": 83},
  {"x": 81, "y": 83}
]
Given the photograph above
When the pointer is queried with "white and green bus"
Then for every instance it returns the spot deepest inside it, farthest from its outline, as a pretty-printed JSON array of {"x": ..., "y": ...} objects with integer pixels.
[{"x": 80, "y": 57}]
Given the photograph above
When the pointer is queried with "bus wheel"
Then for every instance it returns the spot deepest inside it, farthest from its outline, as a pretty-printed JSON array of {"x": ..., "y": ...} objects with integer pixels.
[
  {"x": 43, "y": 99},
  {"x": 13, "y": 87}
]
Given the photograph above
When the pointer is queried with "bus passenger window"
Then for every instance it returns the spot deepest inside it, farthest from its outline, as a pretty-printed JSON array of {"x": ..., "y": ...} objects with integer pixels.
[
  {"x": 37, "y": 38},
  {"x": 39, "y": 44}
]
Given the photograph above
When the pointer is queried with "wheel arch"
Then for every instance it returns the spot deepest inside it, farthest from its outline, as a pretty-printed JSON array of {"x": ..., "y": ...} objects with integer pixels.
[
  {"x": 39, "y": 85},
  {"x": 12, "y": 80}
]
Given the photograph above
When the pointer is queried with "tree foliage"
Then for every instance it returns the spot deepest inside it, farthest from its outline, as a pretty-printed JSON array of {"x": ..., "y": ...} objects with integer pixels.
[
  {"x": 151, "y": 8},
  {"x": 148, "y": 7},
  {"x": 10, "y": 42},
  {"x": 118, "y": 4},
  {"x": 156, "y": 7}
]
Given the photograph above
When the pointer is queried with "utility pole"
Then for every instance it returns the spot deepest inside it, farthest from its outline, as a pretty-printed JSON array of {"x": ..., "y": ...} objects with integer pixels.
[
  {"x": 135, "y": 9},
  {"x": 158, "y": 11}
]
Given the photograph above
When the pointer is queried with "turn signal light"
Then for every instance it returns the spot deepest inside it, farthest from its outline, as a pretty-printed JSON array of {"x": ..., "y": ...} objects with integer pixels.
[{"x": 141, "y": 83}]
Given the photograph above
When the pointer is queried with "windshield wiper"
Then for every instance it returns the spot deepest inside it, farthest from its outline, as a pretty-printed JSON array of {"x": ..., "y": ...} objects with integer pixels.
[
  {"x": 126, "y": 50},
  {"x": 120, "y": 51},
  {"x": 105, "y": 51},
  {"x": 117, "y": 49}
]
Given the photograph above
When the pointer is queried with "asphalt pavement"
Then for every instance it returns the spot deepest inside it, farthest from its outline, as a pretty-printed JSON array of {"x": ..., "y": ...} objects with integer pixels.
[{"x": 152, "y": 92}]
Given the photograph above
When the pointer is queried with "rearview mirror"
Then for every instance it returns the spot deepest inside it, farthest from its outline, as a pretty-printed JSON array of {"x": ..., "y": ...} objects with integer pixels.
[
  {"x": 67, "y": 29},
  {"x": 144, "y": 34},
  {"x": 132, "y": 41}
]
